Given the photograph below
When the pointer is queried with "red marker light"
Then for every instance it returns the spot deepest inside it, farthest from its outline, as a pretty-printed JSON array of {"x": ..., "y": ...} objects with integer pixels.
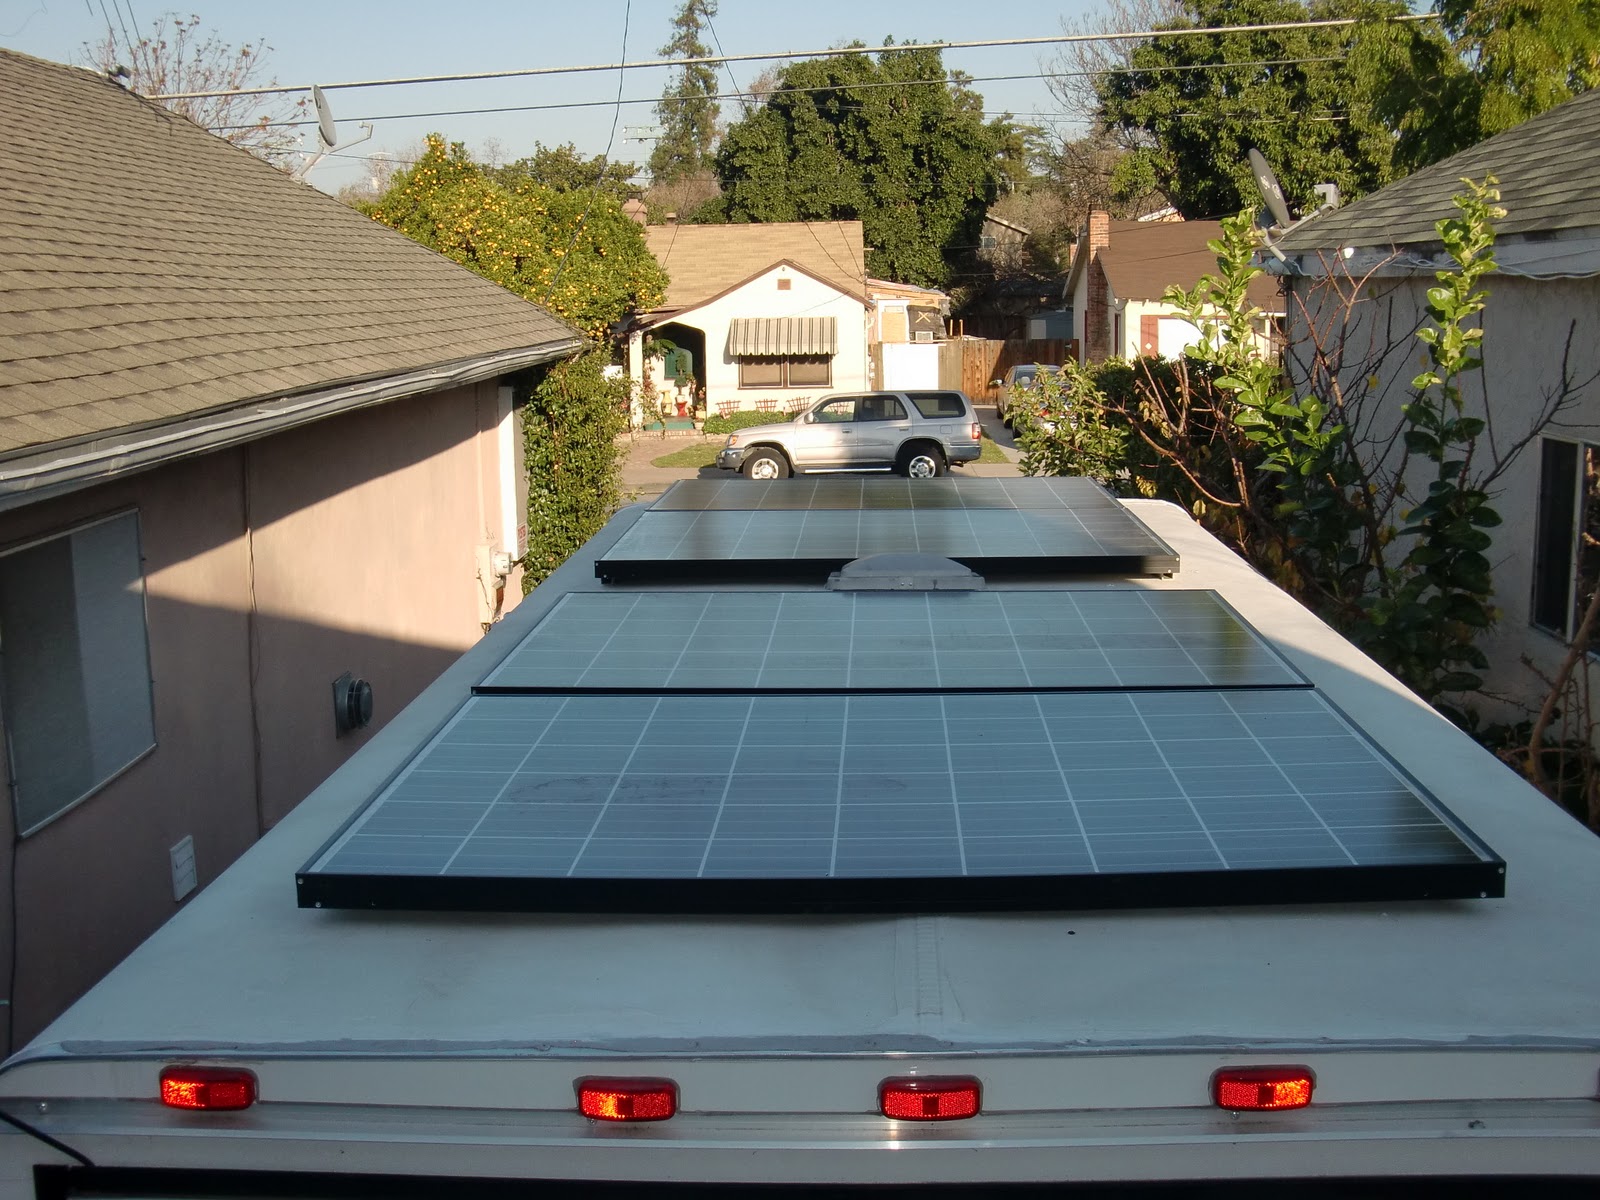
[
  {"x": 213, "y": 1089},
  {"x": 1262, "y": 1089},
  {"x": 951, "y": 1098},
  {"x": 627, "y": 1099}
]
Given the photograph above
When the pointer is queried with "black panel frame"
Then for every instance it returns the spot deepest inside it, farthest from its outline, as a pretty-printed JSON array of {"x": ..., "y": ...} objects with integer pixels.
[
  {"x": 771, "y": 570},
  {"x": 869, "y": 895}
]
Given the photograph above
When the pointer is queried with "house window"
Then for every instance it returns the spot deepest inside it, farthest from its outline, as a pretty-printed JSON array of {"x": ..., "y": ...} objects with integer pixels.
[
  {"x": 1566, "y": 548},
  {"x": 768, "y": 372},
  {"x": 74, "y": 666}
]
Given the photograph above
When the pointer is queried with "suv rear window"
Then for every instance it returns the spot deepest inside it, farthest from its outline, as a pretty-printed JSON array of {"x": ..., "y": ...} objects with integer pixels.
[{"x": 939, "y": 404}]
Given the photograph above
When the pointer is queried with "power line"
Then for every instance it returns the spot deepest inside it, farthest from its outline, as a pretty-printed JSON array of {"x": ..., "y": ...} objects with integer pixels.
[
  {"x": 945, "y": 80},
  {"x": 772, "y": 55}
]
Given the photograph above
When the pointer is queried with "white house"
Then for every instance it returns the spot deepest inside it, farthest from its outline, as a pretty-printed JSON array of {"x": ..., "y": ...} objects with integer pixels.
[
  {"x": 1121, "y": 269},
  {"x": 771, "y": 316},
  {"x": 1357, "y": 280}
]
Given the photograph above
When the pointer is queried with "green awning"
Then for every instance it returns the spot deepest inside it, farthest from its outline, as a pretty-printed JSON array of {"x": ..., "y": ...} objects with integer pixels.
[{"x": 786, "y": 337}]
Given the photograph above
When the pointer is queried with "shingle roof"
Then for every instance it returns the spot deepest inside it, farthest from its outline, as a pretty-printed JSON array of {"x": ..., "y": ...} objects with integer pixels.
[
  {"x": 1549, "y": 173},
  {"x": 150, "y": 271},
  {"x": 704, "y": 261},
  {"x": 1144, "y": 258}
]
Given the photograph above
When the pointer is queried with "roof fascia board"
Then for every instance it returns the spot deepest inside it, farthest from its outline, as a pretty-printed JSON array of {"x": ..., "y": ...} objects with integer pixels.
[
  {"x": 649, "y": 322},
  {"x": 56, "y": 470}
]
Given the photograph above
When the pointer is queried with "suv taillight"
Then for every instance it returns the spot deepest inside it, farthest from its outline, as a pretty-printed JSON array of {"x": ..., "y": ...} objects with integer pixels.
[{"x": 977, "y": 432}]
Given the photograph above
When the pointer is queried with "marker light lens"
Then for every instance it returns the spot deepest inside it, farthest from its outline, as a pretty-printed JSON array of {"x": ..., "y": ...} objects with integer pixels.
[
  {"x": 931, "y": 1099},
  {"x": 1262, "y": 1089},
  {"x": 214, "y": 1089},
  {"x": 627, "y": 1099}
]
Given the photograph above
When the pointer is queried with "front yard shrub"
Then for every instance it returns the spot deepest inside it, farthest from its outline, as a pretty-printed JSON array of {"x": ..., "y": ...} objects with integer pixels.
[{"x": 741, "y": 418}]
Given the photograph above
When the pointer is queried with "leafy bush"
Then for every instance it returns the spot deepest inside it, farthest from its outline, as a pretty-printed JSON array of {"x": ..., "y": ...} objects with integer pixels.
[
  {"x": 570, "y": 422},
  {"x": 741, "y": 418}
]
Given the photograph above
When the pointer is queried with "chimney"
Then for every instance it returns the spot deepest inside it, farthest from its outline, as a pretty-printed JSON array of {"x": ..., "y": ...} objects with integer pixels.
[
  {"x": 1097, "y": 312},
  {"x": 634, "y": 209}
]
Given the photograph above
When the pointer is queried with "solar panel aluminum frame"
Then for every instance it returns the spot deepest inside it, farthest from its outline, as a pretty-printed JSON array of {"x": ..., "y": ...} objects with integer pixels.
[{"x": 903, "y": 896}]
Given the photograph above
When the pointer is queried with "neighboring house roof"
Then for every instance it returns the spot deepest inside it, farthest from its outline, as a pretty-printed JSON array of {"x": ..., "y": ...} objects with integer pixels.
[
  {"x": 887, "y": 289},
  {"x": 706, "y": 261},
  {"x": 152, "y": 275},
  {"x": 991, "y": 219},
  {"x": 1144, "y": 258},
  {"x": 1549, "y": 177}
]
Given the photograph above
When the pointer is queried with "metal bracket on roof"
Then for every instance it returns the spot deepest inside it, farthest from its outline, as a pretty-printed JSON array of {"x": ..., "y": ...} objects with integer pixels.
[{"x": 905, "y": 573}]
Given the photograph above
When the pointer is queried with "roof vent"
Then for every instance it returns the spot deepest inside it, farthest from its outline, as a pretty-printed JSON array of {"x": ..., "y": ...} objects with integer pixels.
[{"x": 905, "y": 573}]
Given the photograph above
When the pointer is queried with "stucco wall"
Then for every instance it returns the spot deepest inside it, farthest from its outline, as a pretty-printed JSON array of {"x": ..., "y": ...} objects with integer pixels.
[
  {"x": 1527, "y": 325},
  {"x": 353, "y": 540}
]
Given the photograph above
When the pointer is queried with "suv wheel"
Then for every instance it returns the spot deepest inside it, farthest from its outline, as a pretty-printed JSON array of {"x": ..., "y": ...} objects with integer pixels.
[
  {"x": 922, "y": 462},
  {"x": 765, "y": 464}
]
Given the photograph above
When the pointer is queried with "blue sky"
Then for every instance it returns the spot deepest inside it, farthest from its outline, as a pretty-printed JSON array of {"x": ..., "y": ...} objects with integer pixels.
[{"x": 343, "y": 40}]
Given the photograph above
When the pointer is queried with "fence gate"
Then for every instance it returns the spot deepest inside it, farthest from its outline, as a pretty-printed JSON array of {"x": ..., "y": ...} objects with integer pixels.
[{"x": 972, "y": 363}]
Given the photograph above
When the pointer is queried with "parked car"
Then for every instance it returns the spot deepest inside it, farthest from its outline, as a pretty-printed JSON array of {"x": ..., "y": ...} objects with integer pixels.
[
  {"x": 1025, "y": 376},
  {"x": 918, "y": 434}
]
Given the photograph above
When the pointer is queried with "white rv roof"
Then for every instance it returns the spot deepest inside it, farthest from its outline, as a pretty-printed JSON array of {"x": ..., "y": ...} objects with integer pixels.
[{"x": 242, "y": 968}]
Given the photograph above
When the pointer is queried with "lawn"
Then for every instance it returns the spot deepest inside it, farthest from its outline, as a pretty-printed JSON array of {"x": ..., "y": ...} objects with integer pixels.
[{"x": 704, "y": 454}]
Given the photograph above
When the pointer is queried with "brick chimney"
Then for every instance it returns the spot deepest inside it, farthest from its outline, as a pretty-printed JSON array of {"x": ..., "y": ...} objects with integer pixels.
[{"x": 1097, "y": 313}]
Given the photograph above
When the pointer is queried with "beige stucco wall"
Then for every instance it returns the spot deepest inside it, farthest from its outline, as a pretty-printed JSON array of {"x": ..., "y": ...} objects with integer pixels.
[
  {"x": 354, "y": 541},
  {"x": 1526, "y": 325}
]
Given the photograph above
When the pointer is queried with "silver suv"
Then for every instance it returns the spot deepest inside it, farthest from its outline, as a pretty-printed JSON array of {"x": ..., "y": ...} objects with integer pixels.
[{"x": 918, "y": 434}]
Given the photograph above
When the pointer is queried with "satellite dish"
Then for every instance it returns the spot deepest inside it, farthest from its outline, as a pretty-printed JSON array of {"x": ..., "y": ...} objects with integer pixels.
[
  {"x": 1267, "y": 183},
  {"x": 325, "y": 131}
]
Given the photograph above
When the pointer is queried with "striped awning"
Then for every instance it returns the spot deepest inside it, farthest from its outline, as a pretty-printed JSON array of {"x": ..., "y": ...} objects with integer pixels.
[{"x": 761, "y": 337}]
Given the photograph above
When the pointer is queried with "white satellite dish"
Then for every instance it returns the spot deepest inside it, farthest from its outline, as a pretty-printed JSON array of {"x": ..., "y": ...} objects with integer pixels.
[
  {"x": 1267, "y": 184},
  {"x": 325, "y": 130}
]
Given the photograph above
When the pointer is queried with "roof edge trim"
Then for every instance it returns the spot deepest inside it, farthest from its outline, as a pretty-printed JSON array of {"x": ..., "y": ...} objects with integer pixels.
[{"x": 55, "y": 470}]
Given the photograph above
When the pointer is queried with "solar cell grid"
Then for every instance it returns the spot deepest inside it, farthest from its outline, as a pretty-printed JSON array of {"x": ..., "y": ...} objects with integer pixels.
[
  {"x": 1207, "y": 796},
  {"x": 834, "y": 641}
]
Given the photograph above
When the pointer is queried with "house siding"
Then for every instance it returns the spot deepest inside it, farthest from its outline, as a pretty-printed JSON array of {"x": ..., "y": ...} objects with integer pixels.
[
  {"x": 1526, "y": 325},
  {"x": 344, "y": 545}
]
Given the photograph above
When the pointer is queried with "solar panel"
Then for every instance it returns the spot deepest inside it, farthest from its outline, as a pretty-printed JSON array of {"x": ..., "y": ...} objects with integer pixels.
[
  {"x": 890, "y": 641},
  {"x": 1063, "y": 526},
  {"x": 836, "y": 492},
  {"x": 905, "y": 802}
]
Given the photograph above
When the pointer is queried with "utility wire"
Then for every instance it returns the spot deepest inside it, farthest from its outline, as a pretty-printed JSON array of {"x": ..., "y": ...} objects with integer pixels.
[
  {"x": 856, "y": 87},
  {"x": 707, "y": 60}
]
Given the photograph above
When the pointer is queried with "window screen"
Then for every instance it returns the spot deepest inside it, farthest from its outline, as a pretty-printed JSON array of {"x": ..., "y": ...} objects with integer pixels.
[
  {"x": 74, "y": 665},
  {"x": 760, "y": 372},
  {"x": 810, "y": 372}
]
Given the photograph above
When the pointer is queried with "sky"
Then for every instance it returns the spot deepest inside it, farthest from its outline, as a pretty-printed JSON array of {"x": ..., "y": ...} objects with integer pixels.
[{"x": 336, "y": 41}]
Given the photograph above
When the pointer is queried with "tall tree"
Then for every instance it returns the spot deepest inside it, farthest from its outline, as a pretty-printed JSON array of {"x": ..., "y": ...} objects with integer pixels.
[
  {"x": 1193, "y": 106},
  {"x": 1505, "y": 61},
  {"x": 688, "y": 110},
  {"x": 563, "y": 169},
  {"x": 180, "y": 55},
  {"x": 574, "y": 252},
  {"x": 891, "y": 140}
]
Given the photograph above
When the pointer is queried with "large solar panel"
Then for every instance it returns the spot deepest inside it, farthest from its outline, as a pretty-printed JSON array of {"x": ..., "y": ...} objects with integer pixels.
[
  {"x": 742, "y": 530},
  {"x": 907, "y": 802},
  {"x": 890, "y": 641}
]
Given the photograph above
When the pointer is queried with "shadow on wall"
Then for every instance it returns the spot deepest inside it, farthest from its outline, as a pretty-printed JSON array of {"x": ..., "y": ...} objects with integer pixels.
[{"x": 94, "y": 882}]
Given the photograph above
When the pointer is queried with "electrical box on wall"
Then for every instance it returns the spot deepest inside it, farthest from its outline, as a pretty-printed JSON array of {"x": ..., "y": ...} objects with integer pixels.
[{"x": 184, "y": 876}]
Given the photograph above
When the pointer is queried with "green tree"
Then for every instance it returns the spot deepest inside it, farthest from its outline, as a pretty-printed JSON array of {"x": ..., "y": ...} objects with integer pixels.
[
  {"x": 563, "y": 169},
  {"x": 570, "y": 422},
  {"x": 688, "y": 110},
  {"x": 574, "y": 252},
  {"x": 837, "y": 140},
  {"x": 1504, "y": 61},
  {"x": 1193, "y": 106}
]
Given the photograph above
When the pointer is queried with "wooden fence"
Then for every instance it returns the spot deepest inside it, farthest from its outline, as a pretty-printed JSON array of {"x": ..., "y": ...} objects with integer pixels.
[{"x": 972, "y": 363}]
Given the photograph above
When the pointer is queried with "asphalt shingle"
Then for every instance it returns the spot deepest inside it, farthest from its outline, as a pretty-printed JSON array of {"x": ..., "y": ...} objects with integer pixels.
[{"x": 150, "y": 271}]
